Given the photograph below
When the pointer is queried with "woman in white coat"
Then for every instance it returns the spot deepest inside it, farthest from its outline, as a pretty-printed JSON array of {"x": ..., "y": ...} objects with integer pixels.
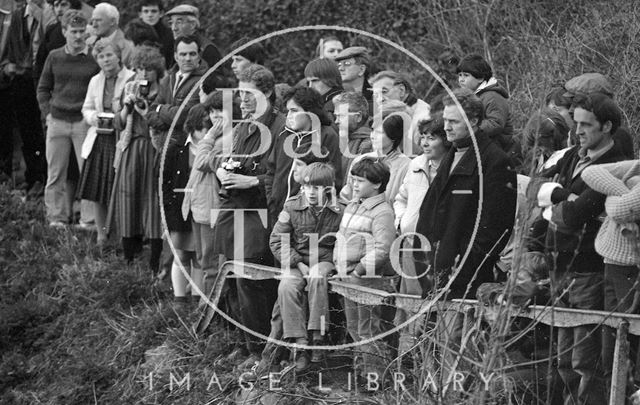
[{"x": 99, "y": 146}]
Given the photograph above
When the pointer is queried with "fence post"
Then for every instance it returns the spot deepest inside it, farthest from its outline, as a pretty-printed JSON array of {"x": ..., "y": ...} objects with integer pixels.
[{"x": 620, "y": 366}]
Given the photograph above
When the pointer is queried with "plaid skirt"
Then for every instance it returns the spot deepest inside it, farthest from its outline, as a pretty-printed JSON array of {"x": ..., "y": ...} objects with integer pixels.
[{"x": 96, "y": 180}]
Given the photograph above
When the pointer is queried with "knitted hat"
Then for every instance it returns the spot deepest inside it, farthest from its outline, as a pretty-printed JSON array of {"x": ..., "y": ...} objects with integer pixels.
[
  {"x": 254, "y": 53},
  {"x": 476, "y": 66},
  {"x": 319, "y": 174}
]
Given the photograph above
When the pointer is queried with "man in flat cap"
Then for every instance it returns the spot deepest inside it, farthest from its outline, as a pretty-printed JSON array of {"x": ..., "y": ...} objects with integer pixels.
[
  {"x": 354, "y": 64},
  {"x": 578, "y": 88},
  {"x": 185, "y": 21}
]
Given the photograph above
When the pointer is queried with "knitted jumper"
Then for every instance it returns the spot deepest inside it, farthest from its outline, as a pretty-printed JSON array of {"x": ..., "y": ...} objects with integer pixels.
[
  {"x": 63, "y": 84},
  {"x": 617, "y": 240}
]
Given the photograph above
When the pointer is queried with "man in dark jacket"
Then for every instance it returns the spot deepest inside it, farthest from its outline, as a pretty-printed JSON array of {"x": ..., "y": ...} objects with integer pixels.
[
  {"x": 18, "y": 73},
  {"x": 352, "y": 115},
  {"x": 572, "y": 209},
  {"x": 150, "y": 13},
  {"x": 448, "y": 215}
]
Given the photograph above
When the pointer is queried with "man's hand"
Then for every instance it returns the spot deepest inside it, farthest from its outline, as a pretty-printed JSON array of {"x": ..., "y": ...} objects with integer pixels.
[
  {"x": 239, "y": 181},
  {"x": 10, "y": 69}
]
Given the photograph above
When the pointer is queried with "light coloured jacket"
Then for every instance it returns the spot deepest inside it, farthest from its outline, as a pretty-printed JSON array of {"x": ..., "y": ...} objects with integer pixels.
[
  {"x": 398, "y": 164},
  {"x": 411, "y": 193},
  {"x": 93, "y": 104},
  {"x": 365, "y": 237},
  {"x": 618, "y": 238},
  {"x": 203, "y": 183}
]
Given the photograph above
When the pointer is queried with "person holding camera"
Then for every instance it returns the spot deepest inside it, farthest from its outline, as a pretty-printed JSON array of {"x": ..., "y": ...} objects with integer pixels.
[
  {"x": 99, "y": 146},
  {"x": 134, "y": 204}
]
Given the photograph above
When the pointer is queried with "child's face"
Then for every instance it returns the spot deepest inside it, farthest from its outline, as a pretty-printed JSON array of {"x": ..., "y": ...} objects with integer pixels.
[
  {"x": 467, "y": 81},
  {"x": 298, "y": 169},
  {"x": 363, "y": 188},
  {"x": 312, "y": 194}
]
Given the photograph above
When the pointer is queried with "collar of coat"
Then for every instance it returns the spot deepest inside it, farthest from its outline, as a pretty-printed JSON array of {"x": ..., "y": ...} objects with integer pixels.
[
  {"x": 301, "y": 203},
  {"x": 372, "y": 202},
  {"x": 468, "y": 163}
]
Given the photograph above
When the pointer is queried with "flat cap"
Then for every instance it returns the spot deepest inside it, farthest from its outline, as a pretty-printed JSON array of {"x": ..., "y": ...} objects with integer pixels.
[
  {"x": 354, "y": 51},
  {"x": 588, "y": 83},
  {"x": 184, "y": 9}
]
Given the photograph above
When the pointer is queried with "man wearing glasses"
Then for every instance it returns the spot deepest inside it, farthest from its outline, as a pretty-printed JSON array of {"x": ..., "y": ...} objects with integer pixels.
[
  {"x": 354, "y": 64},
  {"x": 185, "y": 21}
]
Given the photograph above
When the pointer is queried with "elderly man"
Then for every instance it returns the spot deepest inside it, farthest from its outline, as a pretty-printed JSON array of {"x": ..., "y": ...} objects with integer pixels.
[
  {"x": 61, "y": 93},
  {"x": 19, "y": 75},
  {"x": 104, "y": 20},
  {"x": 354, "y": 64},
  {"x": 389, "y": 85},
  {"x": 185, "y": 21}
]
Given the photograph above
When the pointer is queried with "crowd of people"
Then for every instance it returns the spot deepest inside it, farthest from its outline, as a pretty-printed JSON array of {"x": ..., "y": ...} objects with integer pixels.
[{"x": 321, "y": 179}]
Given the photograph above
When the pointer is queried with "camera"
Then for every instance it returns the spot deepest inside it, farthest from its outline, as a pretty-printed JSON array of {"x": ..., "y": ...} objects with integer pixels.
[
  {"x": 142, "y": 92},
  {"x": 105, "y": 123}
]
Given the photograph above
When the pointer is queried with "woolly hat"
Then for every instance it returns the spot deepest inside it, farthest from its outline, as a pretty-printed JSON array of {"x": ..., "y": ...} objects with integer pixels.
[
  {"x": 588, "y": 83},
  {"x": 319, "y": 174},
  {"x": 476, "y": 66},
  {"x": 254, "y": 53}
]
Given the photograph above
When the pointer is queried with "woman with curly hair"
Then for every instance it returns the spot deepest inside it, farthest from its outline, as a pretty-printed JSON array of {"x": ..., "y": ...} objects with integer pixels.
[{"x": 134, "y": 203}]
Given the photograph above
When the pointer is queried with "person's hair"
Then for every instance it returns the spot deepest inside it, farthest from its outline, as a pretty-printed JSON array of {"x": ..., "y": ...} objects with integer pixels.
[
  {"x": 254, "y": 53},
  {"x": 140, "y": 33},
  {"x": 476, "y": 66},
  {"x": 307, "y": 156},
  {"x": 74, "y": 18},
  {"x": 214, "y": 102},
  {"x": 310, "y": 100},
  {"x": 197, "y": 119},
  {"x": 470, "y": 103},
  {"x": 435, "y": 127},
  {"x": 448, "y": 57},
  {"x": 322, "y": 41},
  {"x": 326, "y": 70},
  {"x": 148, "y": 57},
  {"x": 104, "y": 43},
  {"x": 150, "y": 3},
  {"x": 546, "y": 123},
  {"x": 373, "y": 170},
  {"x": 558, "y": 98},
  {"x": 603, "y": 107},
  {"x": 215, "y": 81},
  {"x": 319, "y": 174},
  {"x": 110, "y": 10},
  {"x": 393, "y": 127},
  {"x": 262, "y": 78},
  {"x": 357, "y": 103},
  {"x": 73, "y": 4},
  {"x": 187, "y": 39}
]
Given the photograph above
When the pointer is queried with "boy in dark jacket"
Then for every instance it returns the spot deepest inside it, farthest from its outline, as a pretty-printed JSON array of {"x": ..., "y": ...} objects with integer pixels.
[{"x": 314, "y": 212}]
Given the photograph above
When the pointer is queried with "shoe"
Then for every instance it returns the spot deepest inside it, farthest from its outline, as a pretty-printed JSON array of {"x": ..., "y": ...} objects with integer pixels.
[
  {"x": 317, "y": 355},
  {"x": 302, "y": 361},
  {"x": 57, "y": 225},
  {"x": 236, "y": 355},
  {"x": 85, "y": 227},
  {"x": 252, "y": 361}
]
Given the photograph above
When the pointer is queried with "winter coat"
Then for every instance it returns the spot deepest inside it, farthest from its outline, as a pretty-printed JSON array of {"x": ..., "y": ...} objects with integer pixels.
[
  {"x": 411, "y": 193},
  {"x": 167, "y": 103},
  {"x": 175, "y": 175},
  {"x": 247, "y": 141},
  {"x": 398, "y": 164},
  {"x": 449, "y": 212},
  {"x": 359, "y": 143},
  {"x": 298, "y": 221},
  {"x": 618, "y": 237},
  {"x": 496, "y": 123},
  {"x": 279, "y": 181},
  {"x": 365, "y": 237},
  {"x": 575, "y": 218}
]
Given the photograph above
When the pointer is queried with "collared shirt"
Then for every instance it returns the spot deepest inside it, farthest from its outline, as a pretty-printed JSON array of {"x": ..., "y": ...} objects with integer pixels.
[
  {"x": 84, "y": 51},
  {"x": 193, "y": 147},
  {"x": 591, "y": 154},
  {"x": 180, "y": 78}
]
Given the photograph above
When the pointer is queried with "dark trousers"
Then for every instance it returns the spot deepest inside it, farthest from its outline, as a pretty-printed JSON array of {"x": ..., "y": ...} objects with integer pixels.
[
  {"x": 579, "y": 348},
  {"x": 7, "y": 124},
  {"x": 23, "y": 106},
  {"x": 618, "y": 297},
  {"x": 256, "y": 299}
]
